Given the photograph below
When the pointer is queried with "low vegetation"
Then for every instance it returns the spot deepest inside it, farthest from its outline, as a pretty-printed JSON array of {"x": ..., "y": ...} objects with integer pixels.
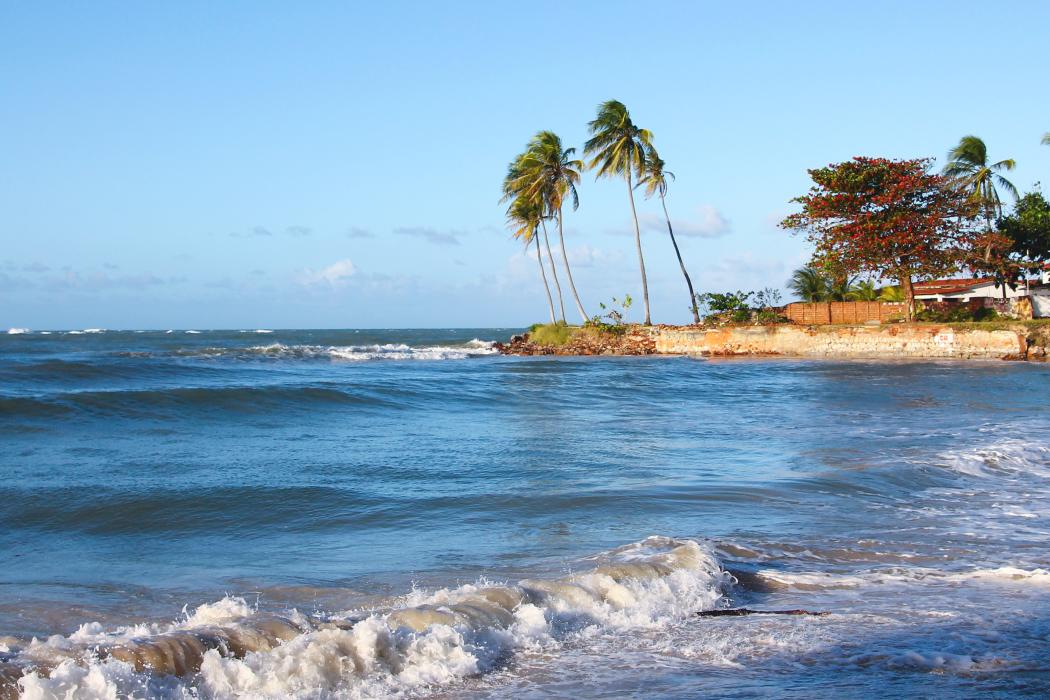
[
  {"x": 554, "y": 335},
  {"x": 727, "y": 308}
]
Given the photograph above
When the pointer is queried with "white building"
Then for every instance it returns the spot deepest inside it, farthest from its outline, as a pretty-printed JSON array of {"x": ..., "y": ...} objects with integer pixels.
[{"x": 965, "y": 290}]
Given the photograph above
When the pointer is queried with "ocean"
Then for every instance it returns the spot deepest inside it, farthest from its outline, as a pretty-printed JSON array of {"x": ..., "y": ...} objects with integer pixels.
[{"x": 406, "y": 513}]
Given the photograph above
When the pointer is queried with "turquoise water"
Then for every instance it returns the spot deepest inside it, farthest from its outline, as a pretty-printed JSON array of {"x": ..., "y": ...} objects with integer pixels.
[{"x": 164, "y": 483}]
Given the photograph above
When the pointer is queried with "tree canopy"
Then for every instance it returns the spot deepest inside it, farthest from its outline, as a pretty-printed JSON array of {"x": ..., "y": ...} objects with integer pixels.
[
  {"x": 1028, "y": 230},
  {"x": 893, "y": 218}
]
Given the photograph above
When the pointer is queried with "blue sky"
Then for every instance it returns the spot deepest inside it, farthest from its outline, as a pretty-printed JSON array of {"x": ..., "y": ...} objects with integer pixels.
[{"x": 216, "y": 165}]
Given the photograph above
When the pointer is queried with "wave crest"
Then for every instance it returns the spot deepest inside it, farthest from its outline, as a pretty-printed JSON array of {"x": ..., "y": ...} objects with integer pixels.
[{"x": 228, "y": 649}]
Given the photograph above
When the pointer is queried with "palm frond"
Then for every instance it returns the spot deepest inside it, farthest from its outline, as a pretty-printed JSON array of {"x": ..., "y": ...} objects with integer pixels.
[{"x": 1008, "y": 186}]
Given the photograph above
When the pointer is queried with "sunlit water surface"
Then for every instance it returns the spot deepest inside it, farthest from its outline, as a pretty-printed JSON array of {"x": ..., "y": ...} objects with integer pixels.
[{"x": 169, "y": 483}]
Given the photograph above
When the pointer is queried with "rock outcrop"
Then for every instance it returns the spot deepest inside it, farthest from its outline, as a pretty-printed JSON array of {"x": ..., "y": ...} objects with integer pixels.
[{"x": 888, "y": 341}]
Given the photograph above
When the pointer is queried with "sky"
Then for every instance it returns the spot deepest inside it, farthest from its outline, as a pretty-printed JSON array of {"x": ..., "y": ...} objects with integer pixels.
[{"x": 335, "y": 165}]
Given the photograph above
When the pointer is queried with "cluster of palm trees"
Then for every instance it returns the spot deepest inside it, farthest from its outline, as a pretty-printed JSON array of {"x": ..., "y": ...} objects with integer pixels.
[
  {"x": 811, "y": 284},
  {"x": 544, "y": 177}
]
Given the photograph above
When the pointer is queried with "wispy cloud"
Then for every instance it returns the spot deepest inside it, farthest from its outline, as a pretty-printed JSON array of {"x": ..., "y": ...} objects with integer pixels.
[
  {"x": 706, "y": 221},
  {"x": 358, "y": 232},
  {"x": 295, "y": 231},
  {"x": 430, "y": 235},
  {"x": 335, "y": 275},
  {"x": 589, "y": 256}
]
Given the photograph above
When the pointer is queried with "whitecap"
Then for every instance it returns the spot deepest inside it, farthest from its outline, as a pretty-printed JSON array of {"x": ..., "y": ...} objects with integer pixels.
[{"x": 426, "y": 640}]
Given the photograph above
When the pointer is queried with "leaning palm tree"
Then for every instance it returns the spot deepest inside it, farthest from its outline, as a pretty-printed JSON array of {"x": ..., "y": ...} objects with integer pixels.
[
  {"x": 968, "y": 166},
  {"x": 809, "y": 284},
  {"x": 523, "y": 218},
  {"x": 513, "y": 189},
  {"x": 655, "y": 181},
  {"x": 617, "y": 148},
  {"x": 550, "y": 174}
]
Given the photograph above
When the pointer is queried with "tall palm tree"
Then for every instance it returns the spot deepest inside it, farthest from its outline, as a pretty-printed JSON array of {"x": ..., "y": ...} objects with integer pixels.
[
  {"x": 554, "y": 267},
  {"x": 550, "y": 173},
  {"x": 968, "y": 165},
  {"x": 809, "y": 284},
  {"x": 655, "y": 181},
  {"x": 513, "y": 189},
  {"x": 617, "y": 148},
  {"x": 523, "y": 218}
]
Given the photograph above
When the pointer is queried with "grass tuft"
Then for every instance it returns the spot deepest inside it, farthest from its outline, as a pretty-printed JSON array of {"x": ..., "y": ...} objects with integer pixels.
[{"x": 552, "y": 334}]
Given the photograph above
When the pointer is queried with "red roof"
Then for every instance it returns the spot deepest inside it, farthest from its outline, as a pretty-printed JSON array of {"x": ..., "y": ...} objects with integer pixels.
[{"x": 954, "y": 286}]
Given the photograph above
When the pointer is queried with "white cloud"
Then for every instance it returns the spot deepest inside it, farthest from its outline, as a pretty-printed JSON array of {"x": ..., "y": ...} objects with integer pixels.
[
  {"x": 335, "y": 275},
  {"x": 706, "y": 222},
  {"x": 430, "y": 235},
  {"x": 589, "y": 256}
]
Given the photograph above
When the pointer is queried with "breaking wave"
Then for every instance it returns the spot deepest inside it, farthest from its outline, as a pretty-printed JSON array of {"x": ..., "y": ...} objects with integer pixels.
[
  {"x": 387, "y": 351},
  {"x": 229, "y": 649},
  {"x": 1006, "y": 458}
]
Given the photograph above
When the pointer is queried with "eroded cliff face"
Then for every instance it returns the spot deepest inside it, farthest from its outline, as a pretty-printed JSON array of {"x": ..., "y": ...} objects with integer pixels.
[{"x": 882, "y": 342}]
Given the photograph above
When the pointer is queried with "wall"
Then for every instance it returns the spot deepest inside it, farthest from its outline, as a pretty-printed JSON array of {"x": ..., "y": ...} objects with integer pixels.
[{"x": 886, "y": 342}]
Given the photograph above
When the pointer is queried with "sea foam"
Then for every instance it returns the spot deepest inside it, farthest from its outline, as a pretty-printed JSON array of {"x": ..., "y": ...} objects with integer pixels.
[{"x": 228, "y": 649}]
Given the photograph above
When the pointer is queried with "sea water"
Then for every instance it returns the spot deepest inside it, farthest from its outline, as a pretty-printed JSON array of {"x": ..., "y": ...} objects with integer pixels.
[{"x": 325, "y": 514}]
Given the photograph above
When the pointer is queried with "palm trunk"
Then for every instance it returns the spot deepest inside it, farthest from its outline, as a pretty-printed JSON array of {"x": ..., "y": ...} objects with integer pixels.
[
  {"x": 543, "y": 274},
  {"x": 568, "y": 272},
  {"x": 688, "y": 282},
  {"x": 638, "y": 241},
  {"x": 988, "y": 248},
  {"x": 554, "y": 270}
]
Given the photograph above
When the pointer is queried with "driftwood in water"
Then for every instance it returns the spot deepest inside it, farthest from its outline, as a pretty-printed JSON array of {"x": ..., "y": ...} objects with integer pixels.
[{"x": 737, "y": 612}]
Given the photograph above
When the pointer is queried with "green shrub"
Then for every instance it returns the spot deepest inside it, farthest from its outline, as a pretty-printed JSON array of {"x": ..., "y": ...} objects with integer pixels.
[{"x": 551, "y": 333}]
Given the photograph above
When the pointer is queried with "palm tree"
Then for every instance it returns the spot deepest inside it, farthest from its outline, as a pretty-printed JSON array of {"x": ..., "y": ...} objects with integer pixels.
[
  {"x": 893, "y": 293},
  {"x": 968, "y": 166},
  {"x": 550, "y": 173},
  {"x": 809, "y": 284},
  {"x": 512, "y": 190},
  {"x": 863, "y": 291},
  {"x": 655, "y": 181},
  {"x": 554, "y": 268},
  {"x": 1046, "y": 139},
  {"x": 617, "y": 147},
  {"x": 523, "y": 217}
]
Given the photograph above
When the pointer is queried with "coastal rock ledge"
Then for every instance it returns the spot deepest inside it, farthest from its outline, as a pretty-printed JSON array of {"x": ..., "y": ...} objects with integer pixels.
[{"x": 891, "y": 341}]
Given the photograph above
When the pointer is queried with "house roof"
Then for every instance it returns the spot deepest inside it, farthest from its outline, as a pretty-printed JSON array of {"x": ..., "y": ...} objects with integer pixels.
[{"x": 953, "y": 286}]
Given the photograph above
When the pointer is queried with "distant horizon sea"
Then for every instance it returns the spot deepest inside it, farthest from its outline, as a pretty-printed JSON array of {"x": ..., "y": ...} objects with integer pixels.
[{"x": 369, "y": 513}]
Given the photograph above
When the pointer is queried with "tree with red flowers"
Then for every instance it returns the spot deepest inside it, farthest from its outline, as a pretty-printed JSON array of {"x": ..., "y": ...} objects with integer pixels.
[{"x": 893, "y": 218}]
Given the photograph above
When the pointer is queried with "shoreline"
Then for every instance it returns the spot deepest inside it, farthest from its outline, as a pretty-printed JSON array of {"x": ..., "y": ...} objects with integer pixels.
[{"x": 1014, "y": 341}]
